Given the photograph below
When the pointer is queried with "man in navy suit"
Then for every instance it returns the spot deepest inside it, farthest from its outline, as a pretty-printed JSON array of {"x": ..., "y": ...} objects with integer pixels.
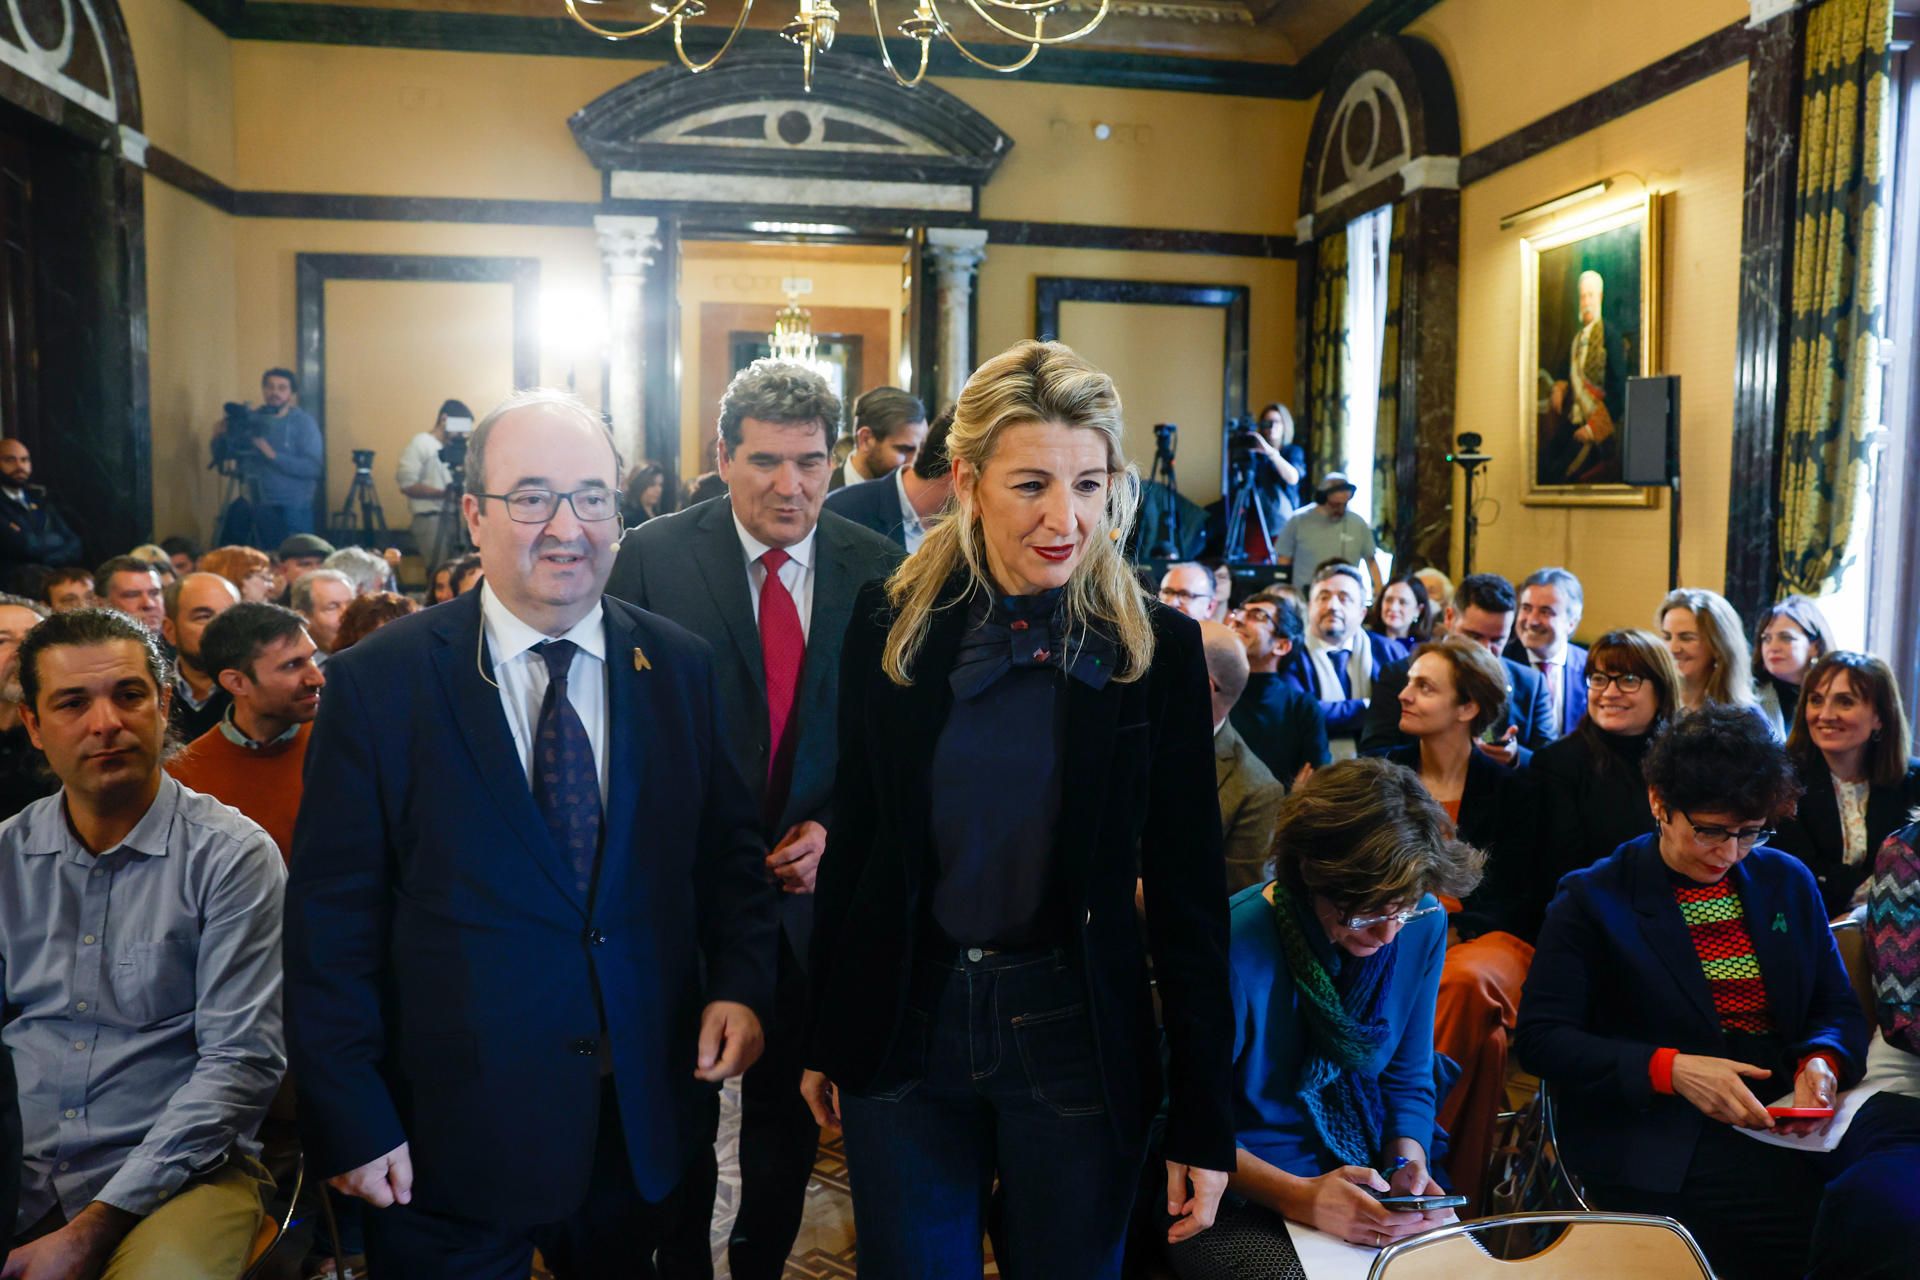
[
  {"x": 737, "y": 570},
  {"x": 1481, "y": 612},
  {"x": 1551, "y": 603},
  {"x": 529, "y": 934},
  {"x": 1340, "y": 662},
  {"x": 903, "y": 504}
]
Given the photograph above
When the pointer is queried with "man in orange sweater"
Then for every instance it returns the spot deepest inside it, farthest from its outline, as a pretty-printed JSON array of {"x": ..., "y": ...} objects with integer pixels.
[{"x": 252, "y": 759}]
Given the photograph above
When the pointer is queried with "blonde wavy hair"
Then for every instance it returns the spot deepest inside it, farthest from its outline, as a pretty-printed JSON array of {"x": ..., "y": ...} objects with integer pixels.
[
  {"x": 1730, "y": 681},
  {"x": 1030, "y": 382}
]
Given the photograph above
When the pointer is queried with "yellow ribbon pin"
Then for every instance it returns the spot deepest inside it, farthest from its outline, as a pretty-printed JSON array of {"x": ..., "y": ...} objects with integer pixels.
[{"x": 640, "y": 662}]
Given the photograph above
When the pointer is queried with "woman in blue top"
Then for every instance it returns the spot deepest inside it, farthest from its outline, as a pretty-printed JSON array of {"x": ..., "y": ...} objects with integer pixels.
[{"x": 1335, "y": 966}]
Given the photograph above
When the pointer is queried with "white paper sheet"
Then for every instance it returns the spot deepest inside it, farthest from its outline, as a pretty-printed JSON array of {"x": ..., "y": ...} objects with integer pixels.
[
  {"x": 1327, "y": 1257},
  {"x": 1843, "y": 1115}
]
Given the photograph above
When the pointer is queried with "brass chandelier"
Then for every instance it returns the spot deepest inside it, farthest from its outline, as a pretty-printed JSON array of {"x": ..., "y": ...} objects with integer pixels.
[{"x": 815, "y": 25}]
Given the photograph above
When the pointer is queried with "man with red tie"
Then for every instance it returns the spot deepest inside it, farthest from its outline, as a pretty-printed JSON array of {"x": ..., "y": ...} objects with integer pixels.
[{"x": 768, "y": 579}]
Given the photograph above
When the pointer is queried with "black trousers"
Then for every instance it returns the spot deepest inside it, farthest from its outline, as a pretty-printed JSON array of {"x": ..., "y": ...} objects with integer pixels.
[{"x": 613, "y": 1234}]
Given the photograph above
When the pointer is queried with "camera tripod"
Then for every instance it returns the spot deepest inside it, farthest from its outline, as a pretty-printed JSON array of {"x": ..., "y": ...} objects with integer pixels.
[
  {"x": 1165, "y": 539},
  {"x": 1242, "y": 505},
  {"x": 237, "y": 523},
  {"x": 360, "y": 515}
]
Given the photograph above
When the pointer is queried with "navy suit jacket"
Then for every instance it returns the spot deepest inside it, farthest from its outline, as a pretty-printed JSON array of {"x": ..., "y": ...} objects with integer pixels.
[
  {"x": 1344, "y": 716},
  {"x": 446, "y": 984},
  {"x": 1574, "y": 708},
  {"x": 874, "y": 505},
  {"x": 1527, "y": 710},
  {"x": 690, "y": 567},
  {"x": 1615, "y": 977},
  {"x": 1282, "y": 724}
]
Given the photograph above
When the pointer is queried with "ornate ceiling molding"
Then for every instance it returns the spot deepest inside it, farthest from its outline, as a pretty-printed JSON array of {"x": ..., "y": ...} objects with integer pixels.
[
  {"x": 1387, "y": 127},
  {"x": 77, "y": 50}
]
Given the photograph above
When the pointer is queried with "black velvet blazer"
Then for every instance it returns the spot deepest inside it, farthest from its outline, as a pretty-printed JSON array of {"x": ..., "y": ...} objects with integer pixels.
[
  {"x": 1138, "y": 800},
  {"x": 1813, "y": 834}
]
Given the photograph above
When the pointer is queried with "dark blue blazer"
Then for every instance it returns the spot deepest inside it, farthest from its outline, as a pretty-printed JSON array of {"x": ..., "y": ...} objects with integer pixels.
[
  {"x": 1574, "y": 709},
  {"x": 445, "y": 981},
  {"x": 1615, "y": 977},
  {"x": 874, "y": 505},
  {"x": 1344, "y": 716},
  {"x": 1281, "y": 723},
  {"x": 1496, "y": 816},
  {"x": 1527, "y": 710}
]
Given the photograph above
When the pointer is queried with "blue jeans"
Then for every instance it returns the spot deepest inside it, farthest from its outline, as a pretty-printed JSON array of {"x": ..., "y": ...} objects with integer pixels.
[
  {"x": 273, "y": 522},
  {"x": 993, "y": 1073}
]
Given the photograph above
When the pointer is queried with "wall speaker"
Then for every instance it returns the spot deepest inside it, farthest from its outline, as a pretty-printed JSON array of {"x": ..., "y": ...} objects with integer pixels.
[{"x": 1648, "y": 440}]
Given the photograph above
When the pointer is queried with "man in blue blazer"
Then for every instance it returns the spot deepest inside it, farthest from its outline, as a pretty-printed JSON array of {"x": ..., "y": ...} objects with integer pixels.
[
  {"x": 1551, "y": 602},
  {"x": 1335, "y": 651},
  {"x": 529, "y": 933},
  {"x": 904, "y": 503},
  {"x": 1481, "y": 612},
  {"x": 706, "y": 568}
]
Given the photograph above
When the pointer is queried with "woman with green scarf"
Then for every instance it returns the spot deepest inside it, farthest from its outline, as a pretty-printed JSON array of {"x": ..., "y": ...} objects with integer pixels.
[{"x": 1335, "y": 967}]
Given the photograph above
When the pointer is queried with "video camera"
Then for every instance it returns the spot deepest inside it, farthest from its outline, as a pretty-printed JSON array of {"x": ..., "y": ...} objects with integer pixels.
[
  {"x": 234, "y": 444},
  {"x": 454, "y": 452}
]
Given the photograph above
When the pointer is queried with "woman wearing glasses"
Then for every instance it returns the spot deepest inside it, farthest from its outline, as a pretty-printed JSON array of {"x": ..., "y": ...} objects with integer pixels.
[
  {"x": 1335, "y": 965},
  {"x": 1590, "y": 796},
  {"x": 1681, "y": 985}
]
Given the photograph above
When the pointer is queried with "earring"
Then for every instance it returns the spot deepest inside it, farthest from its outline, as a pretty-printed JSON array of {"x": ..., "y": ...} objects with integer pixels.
[{"x": 1876, "y": 735}]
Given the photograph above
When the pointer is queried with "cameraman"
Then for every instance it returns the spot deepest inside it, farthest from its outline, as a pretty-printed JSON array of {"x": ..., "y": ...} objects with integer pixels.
[
  {"x": 424, "y": 477},
  {"x": 286, "y": 442}
]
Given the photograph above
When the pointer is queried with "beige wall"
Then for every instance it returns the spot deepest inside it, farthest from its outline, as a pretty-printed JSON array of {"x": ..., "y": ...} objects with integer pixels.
[{"x": 186, "y": 82}]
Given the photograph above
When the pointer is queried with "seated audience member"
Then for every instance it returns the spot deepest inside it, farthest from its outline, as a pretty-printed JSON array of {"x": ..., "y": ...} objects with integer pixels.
[
  {"x": 1703, "y": 634},
  {"x": 367, "y": 614},
  {"x": 1334, "y": 966},
  {"x": 468, "y": 573},
  {"x": 888, "y": 426},
  {"x": 32, "y": 530},
  {"x": 1551, "y": 603},
  {"x": 440, "y": 584},
  {"x": 1893, "y": 939},
  {"x": 1250, "y": 795},
  {"x": 708, "y": 485},
  {"x": 1789, "y": 638},
  {"x": 299, "y": 555},
  {"x": 1399, "y": 614},
  {"x": 133, "y": 587},
  {"x": 321, "y": 597},
  {"x": 142, "y": 926},
  {"x": 918, "y": 492},
  {"x": 1341, "y": 662},
  {"x": 1851, "y": 747},
  {"x": 1589, "y": 796},
  {"x": 182, "y": 553},
  {"x": 66, "y": 589},
  {"x": 367, "y": 571},
  {"x": 23, "y": 770},
  {"x": 1684, "y": 982},
  {"x": 1222, "y": 588},
  {"x": 249, "y": 570},
  {"x": 640, "y": 498},
  {"x": 192, "y": 603},
  {"x": 1455, "y": 689},
  {"x": 252, "y": 759},
  {"x": 156, "y": 555},
  {"x": 1188, "y": 588},
  {"x": 1480, "y": 612},
  {"x": 1439, "y": 590},
  {"x": 1280, "y": 722}
]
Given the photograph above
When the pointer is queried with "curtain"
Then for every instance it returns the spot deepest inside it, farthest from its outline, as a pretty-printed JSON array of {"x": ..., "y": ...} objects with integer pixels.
[
  {"x": 1327, "y": 361},
  {"x": 1839, "y": 264},
  {"x": 1386, "y": 431}
]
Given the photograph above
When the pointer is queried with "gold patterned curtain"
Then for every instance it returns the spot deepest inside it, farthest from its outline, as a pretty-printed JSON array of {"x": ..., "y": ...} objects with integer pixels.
[
  {"x": 1327, "y": 357},
  {"x": 1386, "y": 437},
  {"x": 1839, "y": 263}
]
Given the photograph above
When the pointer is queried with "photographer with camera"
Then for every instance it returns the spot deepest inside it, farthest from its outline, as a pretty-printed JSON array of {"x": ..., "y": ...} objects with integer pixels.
[
  {"x": 425, "y": 475},
  {"x": 276, "y": 449}
]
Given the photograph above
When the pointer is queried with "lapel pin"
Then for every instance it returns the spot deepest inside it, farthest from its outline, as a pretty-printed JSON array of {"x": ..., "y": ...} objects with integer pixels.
[
  {"x": 1780, "y": 922},
  {"x": 640, "y": 662}
]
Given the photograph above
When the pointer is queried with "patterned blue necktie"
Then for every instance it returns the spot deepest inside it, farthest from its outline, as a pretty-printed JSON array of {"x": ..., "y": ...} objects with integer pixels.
[{"x": 566, "y": 782}]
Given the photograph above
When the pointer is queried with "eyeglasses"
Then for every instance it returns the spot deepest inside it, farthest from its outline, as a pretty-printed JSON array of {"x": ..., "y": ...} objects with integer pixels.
[
  {"x": 1172, "y": 594},
  {"x": 1358, "y": 923},
  {"x": 537, "y": 506},
  {"x": 1747, "y": 837},
  {"x": 1628, "y": 682},
  {"x": 1255, "y": 614}
]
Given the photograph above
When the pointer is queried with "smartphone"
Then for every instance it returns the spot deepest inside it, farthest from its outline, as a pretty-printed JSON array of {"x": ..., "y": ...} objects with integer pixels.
[
  {"x": 1419, "y": 1204},
  {"x": 1800, "y": 1113}
]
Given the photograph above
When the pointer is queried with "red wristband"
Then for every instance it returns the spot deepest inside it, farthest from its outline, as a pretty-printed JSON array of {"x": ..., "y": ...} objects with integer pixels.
[{"x": 1660, "y": 1070}]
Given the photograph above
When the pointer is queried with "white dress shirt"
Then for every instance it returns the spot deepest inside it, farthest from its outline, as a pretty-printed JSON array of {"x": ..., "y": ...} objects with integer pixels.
[
  {"x": 521, "y": 675},
  {"x": 850, "y": 474},
  {"x": 911, "y": 526},
  {"x": 796, "y": 574},
  {"x": 420, "y": 464}
]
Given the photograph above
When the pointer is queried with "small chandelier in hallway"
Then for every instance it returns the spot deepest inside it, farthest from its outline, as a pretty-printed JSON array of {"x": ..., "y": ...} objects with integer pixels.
[{"x": 792, "y": 338}]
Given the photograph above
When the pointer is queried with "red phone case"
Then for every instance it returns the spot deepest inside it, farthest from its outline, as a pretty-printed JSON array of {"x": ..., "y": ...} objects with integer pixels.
[{"x": 1800, "y": 1113}]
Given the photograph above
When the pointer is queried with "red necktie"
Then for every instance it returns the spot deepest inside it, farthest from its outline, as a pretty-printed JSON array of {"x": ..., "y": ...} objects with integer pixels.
[{"x": 783, "y": 650}]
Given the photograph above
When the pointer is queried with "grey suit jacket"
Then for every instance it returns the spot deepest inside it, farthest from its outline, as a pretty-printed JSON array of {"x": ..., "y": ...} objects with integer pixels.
[
  {"x": 1250, "y": 798},
  {"x": 689, "y": 567}
]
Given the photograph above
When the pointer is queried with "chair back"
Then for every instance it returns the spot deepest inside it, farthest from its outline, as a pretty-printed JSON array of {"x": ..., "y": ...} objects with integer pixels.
[
  {"x": 1850, "y": 935},
  {"x": 1593, "y": 1244}
]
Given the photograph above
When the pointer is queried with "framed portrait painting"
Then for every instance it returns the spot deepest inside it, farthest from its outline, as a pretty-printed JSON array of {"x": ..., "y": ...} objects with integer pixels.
[{"x": 1588, "y": 321}]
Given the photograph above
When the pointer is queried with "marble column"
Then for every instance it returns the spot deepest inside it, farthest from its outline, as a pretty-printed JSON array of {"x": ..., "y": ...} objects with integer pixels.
[
  {"x": 952, "y": 256},
  {"x": 627, "y": 246}
]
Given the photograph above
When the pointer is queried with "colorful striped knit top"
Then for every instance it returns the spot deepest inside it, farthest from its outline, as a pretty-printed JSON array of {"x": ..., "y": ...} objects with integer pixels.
[
  {"x": 1893, "y": 931},
  {"x": 1717, "y": 923}
]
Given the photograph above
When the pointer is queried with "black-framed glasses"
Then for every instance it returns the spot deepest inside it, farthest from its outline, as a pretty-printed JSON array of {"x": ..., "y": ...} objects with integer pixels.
[
  {"x": 1171, "y": 594},
  {"x": 1627, "y": 680},
  {"x": 1746, "y": 837},
  {"x": 537, "y": 506}
]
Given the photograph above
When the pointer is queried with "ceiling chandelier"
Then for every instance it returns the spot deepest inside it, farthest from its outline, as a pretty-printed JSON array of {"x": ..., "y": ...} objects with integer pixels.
[
  {"x": 792, "y": 338},
  {"x": 815, "y": 25}
]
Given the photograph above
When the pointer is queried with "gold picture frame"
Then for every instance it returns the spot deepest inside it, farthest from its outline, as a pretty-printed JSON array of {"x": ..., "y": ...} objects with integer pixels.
[{"x": 1571, "y": 428}]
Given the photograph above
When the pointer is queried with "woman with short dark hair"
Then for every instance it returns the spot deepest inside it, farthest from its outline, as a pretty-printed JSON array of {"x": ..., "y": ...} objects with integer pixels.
[
  {"x": 1685, "y": 980},
  {"x": 1851, "y": 747},
  {"x": 1335, "y": 965}
]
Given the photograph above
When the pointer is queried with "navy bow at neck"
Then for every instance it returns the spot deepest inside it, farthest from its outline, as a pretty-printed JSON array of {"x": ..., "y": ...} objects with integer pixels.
[{"x": 1005, "y": 633}]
